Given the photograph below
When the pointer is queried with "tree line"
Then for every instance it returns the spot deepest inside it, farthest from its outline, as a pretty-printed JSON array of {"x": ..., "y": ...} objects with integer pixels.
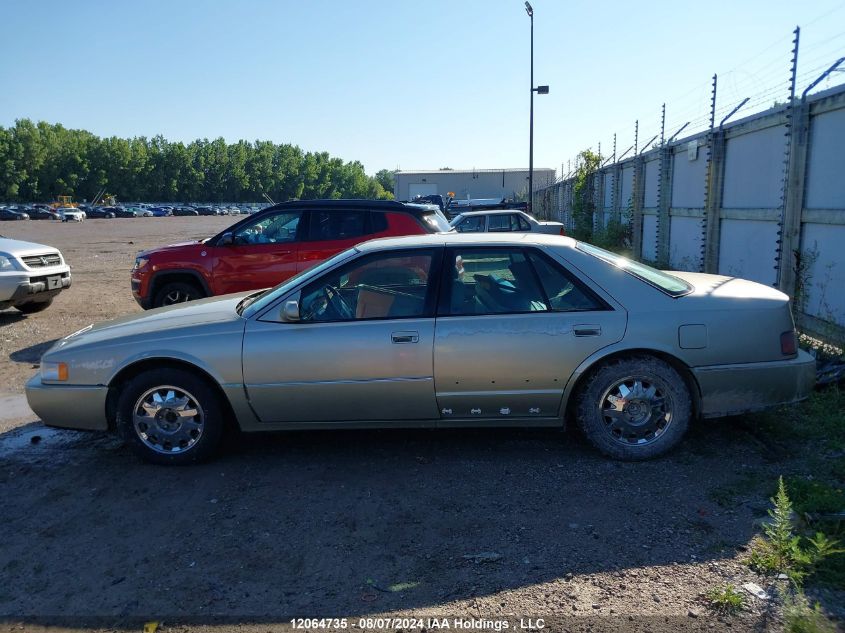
[{"x": 39, "y": 161}]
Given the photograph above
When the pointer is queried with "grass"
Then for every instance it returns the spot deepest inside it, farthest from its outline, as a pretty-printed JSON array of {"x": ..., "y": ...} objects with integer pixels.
[
  {"x": 727, "y": 494},
  {"x": 725, "y": 599}
]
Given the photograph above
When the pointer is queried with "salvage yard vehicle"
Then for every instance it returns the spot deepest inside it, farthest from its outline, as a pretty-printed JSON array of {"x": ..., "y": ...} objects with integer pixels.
[
  {"x": 13, "y": 213},
  {"x": 31, "y": 275},
  {"x": 70, "y": 214},
  {"x": 268, "y": 247},
  {"x": 440, "y": 330},
  {"x": 100, "y": 212},
  {"x": 504, "y": 222}
]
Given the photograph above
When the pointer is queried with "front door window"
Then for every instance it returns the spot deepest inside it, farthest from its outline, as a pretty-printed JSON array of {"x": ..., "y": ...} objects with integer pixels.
[{"x": 388, "y": 285}]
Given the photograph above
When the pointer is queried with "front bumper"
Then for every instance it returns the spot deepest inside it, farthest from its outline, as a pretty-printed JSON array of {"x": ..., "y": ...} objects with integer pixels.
[
  {"x": 68, "y": 406},
  {"x": 741, "y": 388},
  {"x": 26, "y": 288}
]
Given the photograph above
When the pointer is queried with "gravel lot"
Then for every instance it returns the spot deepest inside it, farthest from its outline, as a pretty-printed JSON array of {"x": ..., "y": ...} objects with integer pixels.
[{"x": 481, "y": 524}]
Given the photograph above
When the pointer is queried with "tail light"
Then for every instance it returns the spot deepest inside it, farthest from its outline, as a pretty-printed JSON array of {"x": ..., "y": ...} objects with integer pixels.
[
  {"x": 788, "y": 343},
  {"x": 562, "y": 231}
]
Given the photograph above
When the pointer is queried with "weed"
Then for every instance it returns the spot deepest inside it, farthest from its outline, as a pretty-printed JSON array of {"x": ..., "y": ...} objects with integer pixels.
[
  {"x": 780, "y": 550},
  {"x": 800, "y": 617},
  {"x": 725, "y": 599}
]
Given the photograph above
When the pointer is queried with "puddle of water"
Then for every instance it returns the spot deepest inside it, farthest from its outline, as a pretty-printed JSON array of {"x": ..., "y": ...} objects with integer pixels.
[{"x": 35, "y": 440}]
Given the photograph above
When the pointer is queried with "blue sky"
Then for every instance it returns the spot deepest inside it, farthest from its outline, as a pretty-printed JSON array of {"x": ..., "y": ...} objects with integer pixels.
[{"x": 402, "y": 84}]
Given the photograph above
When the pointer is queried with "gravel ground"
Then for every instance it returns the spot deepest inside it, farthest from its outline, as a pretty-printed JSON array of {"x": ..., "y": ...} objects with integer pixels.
[{"x": 461, "y": 524}]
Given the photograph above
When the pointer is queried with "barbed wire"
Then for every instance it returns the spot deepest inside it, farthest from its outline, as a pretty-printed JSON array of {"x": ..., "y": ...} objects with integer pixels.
[{"x": 765, "y": 85}]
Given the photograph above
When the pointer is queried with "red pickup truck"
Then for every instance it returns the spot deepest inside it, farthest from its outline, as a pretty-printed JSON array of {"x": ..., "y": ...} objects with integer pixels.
[{"x": 270, "y": 246}]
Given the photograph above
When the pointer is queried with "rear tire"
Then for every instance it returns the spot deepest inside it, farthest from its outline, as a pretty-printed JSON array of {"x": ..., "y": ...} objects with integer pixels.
[
  {"x": 170, "y": 416},
  {"x": 34, "y": 306},
  {"x": 634, "y": 408},
  {"x": 177, "y": 292}
]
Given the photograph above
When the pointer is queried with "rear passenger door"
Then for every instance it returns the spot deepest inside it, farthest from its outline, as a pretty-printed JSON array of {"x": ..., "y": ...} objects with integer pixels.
[
  {"x": 512, "y": 326},
  {"x": 332, "y": 231}
]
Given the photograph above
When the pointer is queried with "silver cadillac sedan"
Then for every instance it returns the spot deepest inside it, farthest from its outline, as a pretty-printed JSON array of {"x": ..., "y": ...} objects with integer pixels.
[{"x": 444, "y": 330}]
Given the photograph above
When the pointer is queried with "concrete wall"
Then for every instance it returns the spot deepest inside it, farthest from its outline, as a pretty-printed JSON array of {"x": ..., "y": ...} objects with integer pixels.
[
  {"x": 501, "y": 183},
  {"x": 745, "y": 201}
]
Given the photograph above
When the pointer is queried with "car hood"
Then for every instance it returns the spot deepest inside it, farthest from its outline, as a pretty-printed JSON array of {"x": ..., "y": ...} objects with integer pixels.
[
  {"x": 158, "y": 323},
  {"x": 172, "y": 247},
  {"x": 19, "y": 248}
]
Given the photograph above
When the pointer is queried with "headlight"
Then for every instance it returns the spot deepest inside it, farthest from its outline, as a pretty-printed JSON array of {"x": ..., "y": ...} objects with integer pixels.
[
  {"x": 140, "y": 262},
  {"x": 7, "y": 263},
  {"x": 56, "y": 372}
]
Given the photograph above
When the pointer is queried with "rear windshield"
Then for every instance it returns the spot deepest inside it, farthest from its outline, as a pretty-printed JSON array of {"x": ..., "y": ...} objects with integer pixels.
[
  {"x": 436, "y": 221},
  {"x": 669, "y": 284}
]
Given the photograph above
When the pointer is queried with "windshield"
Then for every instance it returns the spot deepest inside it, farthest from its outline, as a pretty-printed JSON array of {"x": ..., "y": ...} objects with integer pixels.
[
  {"x": 254, "y": 305},
  {"x": 671, "y": 285}
]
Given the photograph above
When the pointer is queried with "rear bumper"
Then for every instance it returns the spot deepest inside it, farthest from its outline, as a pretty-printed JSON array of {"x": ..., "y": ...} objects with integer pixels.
[
  {"x": 733, "y": 389},
  {"x": 68, "y": 406}
]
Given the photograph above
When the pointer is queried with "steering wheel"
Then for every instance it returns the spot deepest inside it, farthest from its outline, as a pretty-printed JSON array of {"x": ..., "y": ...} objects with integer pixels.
[{"x": 337, "y": 302}]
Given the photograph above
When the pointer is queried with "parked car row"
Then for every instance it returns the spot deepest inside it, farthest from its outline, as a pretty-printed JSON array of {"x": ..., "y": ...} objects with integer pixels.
[{"x": 80, "y": 212}]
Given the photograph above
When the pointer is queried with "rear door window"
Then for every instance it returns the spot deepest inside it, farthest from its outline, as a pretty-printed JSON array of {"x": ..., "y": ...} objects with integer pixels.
[
  {"x": 337, "y": 225},
  {"x": 564, "y": 291},
  {"x": 490, "y": 281},
  {"x": 502, "y": 223}
]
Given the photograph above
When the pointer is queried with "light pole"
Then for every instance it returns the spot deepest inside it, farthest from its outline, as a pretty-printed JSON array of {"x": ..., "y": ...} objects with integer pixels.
[{"x": 542, "y": 90}]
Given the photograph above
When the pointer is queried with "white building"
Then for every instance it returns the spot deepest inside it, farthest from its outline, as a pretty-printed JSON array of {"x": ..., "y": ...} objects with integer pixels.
[{"x": 469, "y": 183}]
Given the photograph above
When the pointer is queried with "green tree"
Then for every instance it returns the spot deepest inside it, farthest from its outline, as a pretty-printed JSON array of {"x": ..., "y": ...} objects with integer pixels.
[{"x": 387, "y": 179}]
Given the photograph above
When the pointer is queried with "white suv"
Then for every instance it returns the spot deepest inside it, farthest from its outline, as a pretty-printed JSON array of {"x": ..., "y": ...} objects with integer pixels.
[{"x": 31, "y": 275}]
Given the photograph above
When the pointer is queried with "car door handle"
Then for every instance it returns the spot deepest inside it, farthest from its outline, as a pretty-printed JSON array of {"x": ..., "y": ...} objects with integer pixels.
[
  {"x": 405, "y": 337},
  {"x": 583, "y": 329}
]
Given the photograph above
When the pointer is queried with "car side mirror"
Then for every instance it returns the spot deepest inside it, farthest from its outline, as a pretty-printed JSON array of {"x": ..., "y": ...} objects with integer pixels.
[
  {"x": 227, "y": 239},
  {"x": 290, "y": 312}
]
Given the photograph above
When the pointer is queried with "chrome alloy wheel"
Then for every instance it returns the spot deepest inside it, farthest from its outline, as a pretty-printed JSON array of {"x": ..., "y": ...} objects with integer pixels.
[
  {"x": 176, "y": 296},
  {"x": 168, "y": 419},
  {"x": 636, "y": 410}
]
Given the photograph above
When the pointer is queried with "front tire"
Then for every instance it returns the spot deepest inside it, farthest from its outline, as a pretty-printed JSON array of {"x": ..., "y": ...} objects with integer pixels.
[
  {"x": 170, "y": 416},
  {"x": 177, "y": 292},
  {"x": 635, "y": 408}
]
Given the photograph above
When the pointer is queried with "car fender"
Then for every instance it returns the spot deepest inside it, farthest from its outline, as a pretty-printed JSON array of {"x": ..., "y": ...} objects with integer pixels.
[
  {"x": 233, "y": 391},
  {"x": 624, "y": 347},
  {"x": 159, "y": 277}
]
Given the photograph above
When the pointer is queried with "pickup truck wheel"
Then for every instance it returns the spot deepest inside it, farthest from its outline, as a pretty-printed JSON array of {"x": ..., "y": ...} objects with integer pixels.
[
  {"x": 34, "y": 306},
  {"x": 177, "y": 292},
  {"x": 634, "y": 408},
  {"x": 170, "y": 416}
]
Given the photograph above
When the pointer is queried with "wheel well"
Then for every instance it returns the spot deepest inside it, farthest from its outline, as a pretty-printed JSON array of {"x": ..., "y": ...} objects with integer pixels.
[
  {"x": 165, "y": 278},
  {"x": 679, "y": 366},
  {"x": 131, "y": 371}
]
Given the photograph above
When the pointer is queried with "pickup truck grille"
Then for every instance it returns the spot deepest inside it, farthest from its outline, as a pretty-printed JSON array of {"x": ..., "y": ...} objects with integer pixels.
[{"x": 42, "y": 261}]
